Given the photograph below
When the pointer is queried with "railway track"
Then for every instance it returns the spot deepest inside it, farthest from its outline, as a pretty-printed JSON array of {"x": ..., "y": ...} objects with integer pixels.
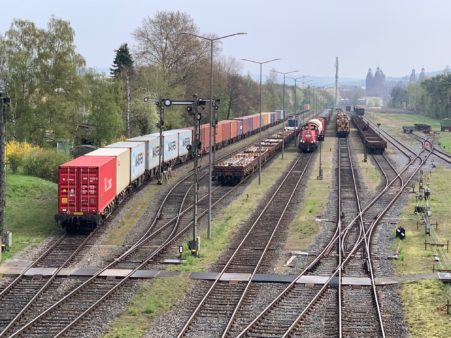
[
  {"x": 64, "y": 314},
  {"x": 296, "y": 325},
  {"x": 222, "y": 302},
  {"x": 443, "y": 155},
  {"x": 22, "y": 293}
]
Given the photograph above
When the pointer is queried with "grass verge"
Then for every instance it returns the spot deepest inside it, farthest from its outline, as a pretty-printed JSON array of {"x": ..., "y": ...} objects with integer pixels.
[
  {"x": 424, "y": 309},
  {"x": 424, "y": 300},
  {"x": 154, "y": 298},
  {"x": 394, "y": 122},
  {"x": 304, "y": 228},
  {"x": 31, "y": 204}
]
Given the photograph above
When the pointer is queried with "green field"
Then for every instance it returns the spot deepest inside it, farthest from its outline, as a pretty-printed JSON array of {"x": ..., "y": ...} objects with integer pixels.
[
  {"x": 31, "y": 204},
  {"x": 424, "y": 300},
  {"x": 394, "y": 123}
]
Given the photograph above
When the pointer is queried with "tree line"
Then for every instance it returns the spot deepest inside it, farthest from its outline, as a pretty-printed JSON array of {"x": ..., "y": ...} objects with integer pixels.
[
  {"x": 55, "y": 97},
  {"x": 431, "y": 97}
]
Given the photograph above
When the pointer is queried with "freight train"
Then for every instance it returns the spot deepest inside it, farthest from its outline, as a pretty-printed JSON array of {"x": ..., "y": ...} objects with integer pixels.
[
  {"x": 90, "y": 187},
  {"x": 313, "y": 132},
  {"x": 342, "y": 127}
]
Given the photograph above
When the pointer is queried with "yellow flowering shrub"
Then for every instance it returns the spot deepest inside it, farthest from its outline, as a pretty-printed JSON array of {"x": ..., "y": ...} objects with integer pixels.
[
  {"x": 33, "y": 160},
  {"x": 16, "y": 152}
]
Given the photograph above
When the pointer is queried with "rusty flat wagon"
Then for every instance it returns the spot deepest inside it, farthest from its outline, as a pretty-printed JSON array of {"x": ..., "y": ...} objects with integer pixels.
[
  {"x": 372, "y": 141},
  {"x": 240, "y": 165}
]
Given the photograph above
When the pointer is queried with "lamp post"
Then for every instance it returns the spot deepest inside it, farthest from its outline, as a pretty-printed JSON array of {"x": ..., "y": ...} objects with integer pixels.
[
  {"x": 295, "y": 95},
  {"x": 283, "y": 103},
  {"x": 212, "y": 119},
  {"x": 261, "y": 63},
  {"x": 309, "y": 97}
]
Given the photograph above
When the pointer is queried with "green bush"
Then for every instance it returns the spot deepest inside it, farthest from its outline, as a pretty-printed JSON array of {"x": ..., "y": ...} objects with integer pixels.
[
  {"x": 14, "y": 162},
  {"x": 44, "y": 163}
]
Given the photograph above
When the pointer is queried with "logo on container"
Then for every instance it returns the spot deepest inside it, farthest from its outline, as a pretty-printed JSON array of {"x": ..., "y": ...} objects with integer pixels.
[
  {"x": 172, "y": 145},
  {"x": 156, "y": 151},
  {"x": 108, "y": 183},
  {"x": 186, "y": 141},
  {"x": 139, "y": 159}
]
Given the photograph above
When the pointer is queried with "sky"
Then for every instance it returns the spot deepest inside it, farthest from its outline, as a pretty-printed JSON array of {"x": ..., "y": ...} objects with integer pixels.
[{"x": 307, "y": 35}]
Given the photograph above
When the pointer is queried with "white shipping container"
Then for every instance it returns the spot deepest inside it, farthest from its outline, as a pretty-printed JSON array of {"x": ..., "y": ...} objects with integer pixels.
[
  {"x": 137, "y": 157},
  {"x": 171, "y": 145},
  {"x": 185, "y": 137},
  {"x": 122, "y": 156},
  {"x": 152, "y": 143}
]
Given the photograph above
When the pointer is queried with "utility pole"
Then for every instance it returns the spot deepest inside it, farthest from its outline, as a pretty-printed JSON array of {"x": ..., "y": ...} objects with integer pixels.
[
  {"x": 3, "y": 102},
  {"x": 194, "y": 243},
  {"x": 336, "y": 81},
  {"x": 283, "y": 105},
  {"x": 160, "y": 124}
]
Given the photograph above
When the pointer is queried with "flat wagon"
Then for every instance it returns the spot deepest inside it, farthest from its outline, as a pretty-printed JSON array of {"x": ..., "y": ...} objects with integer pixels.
[{"x": 372, "y": 141}]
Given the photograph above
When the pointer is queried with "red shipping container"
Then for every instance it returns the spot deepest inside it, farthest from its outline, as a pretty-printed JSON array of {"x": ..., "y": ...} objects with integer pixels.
[
  {"x": 240, "y": 126},
  {"x": 219, "y": 134},
  {"x": 256, "y": 121},
  {"x": 223, "y": 131},
  {"x": 235, "y": 127},
  {"x": 266, "y": 118},
  {"x": 86, "y": 185},
  {"x": 244, "y": 124},
  {"x": 205, "y": 137}
]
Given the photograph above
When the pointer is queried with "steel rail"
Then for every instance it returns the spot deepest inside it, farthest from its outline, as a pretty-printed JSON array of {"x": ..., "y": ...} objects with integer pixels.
[
  {"x": 46, "y": 285},
  {"x": 240, "y": 301},
  {"x": 342, "y": 241},
  {"x": 201, "y": 303},
  {"x": 121, "y": 257},
  {"x": 373, "y": 225},
  {"x": 325, "y": 250},
  {"x": 40, "y": 258},
  {"x": 443, "y": 155}
]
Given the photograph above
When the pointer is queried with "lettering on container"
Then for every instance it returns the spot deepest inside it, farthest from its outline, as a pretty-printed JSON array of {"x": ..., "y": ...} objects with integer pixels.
[
  {"x": 172, "y": 146},
  {"x": 139, "y": 160},
  {"x": 156, "y": 151},
  {"x": 186, "y": 141},
  {"x": 108, "y": 183}
]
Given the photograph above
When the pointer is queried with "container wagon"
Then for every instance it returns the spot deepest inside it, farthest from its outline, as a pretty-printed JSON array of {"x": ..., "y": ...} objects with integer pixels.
[
  {"x": 86, "y": 192},
  {"x": 91, "y": 186}
]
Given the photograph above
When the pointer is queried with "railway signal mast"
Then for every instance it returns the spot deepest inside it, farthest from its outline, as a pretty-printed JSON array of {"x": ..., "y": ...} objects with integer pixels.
[{"x": 192, "y": 107}]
